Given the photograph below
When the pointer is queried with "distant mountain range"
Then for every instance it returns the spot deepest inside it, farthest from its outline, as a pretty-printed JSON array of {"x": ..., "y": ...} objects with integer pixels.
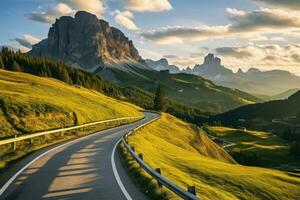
[
  {"x": 162, "y": 64},
  {"x": 264, "y": 115},
  {"x": 261, "y": 83},
  {"x": 91, "y": 44}
]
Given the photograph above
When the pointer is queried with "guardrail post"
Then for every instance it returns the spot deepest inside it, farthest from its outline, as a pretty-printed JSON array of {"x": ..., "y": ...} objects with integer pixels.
[
  {"x": 158, "y": 170},
  {"x": 15, "y": 144},
  {"x": 141, "y": 156},
  {"x": 192, "y": 189}
]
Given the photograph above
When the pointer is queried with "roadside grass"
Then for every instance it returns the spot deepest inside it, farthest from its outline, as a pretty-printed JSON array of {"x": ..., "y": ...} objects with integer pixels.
[
  {"x": 30, "y": 104},
  {"x": 272, "y": 150},
  {"x": 168, "y": 144},
  {"x": 143, "y": 181}
]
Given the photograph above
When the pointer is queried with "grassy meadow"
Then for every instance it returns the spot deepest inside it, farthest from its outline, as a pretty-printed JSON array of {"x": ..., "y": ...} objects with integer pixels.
[
  {"x": 271, "y": 149},
  {"x": 30, "y": 104},
  {"x": 188, "y": 157}
]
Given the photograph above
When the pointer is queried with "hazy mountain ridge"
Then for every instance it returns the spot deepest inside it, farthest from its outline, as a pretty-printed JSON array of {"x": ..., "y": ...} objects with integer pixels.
[
  {"x": 94, "y": 46},
  {"x": 262, "y": 114},
  {"x": 253, "y": 81}
]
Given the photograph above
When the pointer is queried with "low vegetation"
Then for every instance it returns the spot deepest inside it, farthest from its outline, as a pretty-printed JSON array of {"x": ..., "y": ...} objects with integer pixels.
[
  {"x": 255, "y": 147},
  {"x": 187, "y": 156},
  {"x": 144, "y": 181}
]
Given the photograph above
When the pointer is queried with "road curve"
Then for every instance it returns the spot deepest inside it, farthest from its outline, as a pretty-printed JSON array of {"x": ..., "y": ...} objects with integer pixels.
[{"x": 82, "y": 169}]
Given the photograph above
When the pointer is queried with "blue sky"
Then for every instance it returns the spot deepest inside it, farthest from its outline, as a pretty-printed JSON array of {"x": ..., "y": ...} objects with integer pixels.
[{"x": 244, "y": 33}]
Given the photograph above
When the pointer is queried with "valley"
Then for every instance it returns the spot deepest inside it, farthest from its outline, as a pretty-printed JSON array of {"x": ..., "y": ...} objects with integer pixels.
[
  {"x": 188, "y": 157},
  {"x": 128, "y": 68},
  {"x": 256, "y": 147}
]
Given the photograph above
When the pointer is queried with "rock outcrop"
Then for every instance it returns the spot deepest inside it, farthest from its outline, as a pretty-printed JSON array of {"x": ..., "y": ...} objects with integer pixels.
[
  {"x": 86, "y": 42},
  {"x": 162, "y": 64},
  {"x": 210, "y": 69}
]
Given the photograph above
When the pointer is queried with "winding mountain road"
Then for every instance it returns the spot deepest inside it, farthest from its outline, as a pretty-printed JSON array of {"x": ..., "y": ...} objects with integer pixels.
[{"x": 85, "y": 168}]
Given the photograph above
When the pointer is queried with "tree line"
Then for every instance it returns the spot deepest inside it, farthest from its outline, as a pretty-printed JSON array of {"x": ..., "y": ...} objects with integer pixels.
[
  {"x": 44, "y": 67},
  {"x": 41, "y": 66}
]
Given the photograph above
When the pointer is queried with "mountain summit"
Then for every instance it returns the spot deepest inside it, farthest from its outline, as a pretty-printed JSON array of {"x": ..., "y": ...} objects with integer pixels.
[
  {"x": 211, "y": 68},
  {"x": 253, "y": 81},
  {"x": 86, "y": 42}
]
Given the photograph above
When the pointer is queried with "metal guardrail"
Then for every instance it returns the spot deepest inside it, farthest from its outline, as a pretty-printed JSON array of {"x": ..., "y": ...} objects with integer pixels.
[
  {"x": 25, "y": 137},
  {"x": 156, "y": 175}
]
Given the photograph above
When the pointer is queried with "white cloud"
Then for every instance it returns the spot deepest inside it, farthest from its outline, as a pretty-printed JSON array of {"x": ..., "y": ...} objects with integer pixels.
[
  {"x": 125, "y": 19},
  {"x": 169, "y": 35},
  {"x": 27, "y": 41},
  {"x": 93, "y": 6},
  {"x": 264, "y": 20},
  {"x": 236, "y": 12},
  {"x": 185, "y": 61},
  {"x": 250, "y": 25},
  {"x": 285, "y": 4},
  {"x": 148, "y": 5},
  {"x": 67, "y": 8},
  {"x": 235, "y": 52},
  {"x": 51, "y": 14},
  {"x": 264, "y": 56}
]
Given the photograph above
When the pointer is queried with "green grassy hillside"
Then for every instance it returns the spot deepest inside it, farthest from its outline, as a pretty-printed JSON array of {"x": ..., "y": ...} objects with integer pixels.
[
  {"x": 185, "y": 158},
  {"x": 43, "y": 67},
  {"x": 188, "y": 89},
  {"x": 270, "y": 149},
  {"x": 263, "y": 112},
  {"x": 29, "y": 104}
]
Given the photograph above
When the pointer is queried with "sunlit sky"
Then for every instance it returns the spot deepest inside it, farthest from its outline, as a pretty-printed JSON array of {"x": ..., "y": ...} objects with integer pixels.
[{"x": 245, "y": 33}]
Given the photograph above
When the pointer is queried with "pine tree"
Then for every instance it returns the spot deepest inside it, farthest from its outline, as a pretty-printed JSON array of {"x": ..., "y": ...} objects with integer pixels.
[
  {"x": 15, "y": 67},
  {"x": 160, "y": 101},
  {"x": 65, "y": 76},
  {"x": 1, "y": 63}
]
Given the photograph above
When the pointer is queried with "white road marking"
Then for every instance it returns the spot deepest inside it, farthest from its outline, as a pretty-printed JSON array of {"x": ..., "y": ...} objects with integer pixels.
[
  {"x": 116, "y": 174},
  {"x": 11, "y": 180}
]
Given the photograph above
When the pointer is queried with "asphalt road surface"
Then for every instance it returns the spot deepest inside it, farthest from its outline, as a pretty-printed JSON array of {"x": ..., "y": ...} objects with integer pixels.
[{"x": 82, "y": 169}]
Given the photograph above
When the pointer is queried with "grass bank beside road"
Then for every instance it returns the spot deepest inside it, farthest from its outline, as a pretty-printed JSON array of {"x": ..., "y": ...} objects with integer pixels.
[
  {"x": 30, "y": 104},
  {"x": 187, "y": 156}
]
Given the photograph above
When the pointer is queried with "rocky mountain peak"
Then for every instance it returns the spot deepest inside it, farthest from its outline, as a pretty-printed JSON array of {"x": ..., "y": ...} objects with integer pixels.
[
  {"x": 86, "y": 42},
  {"x": 211, "y": 60},
  {"x": 240, "y": 71},
  {"x": 86, "y": 17},
  {"x": 163, "y": 62}
]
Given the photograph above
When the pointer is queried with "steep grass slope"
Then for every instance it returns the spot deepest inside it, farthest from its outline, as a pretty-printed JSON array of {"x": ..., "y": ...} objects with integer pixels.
[
  {"x": 271, "y": 150},
  {"x": 185, "y": 158},
  {"x": 29, "y": 104}
]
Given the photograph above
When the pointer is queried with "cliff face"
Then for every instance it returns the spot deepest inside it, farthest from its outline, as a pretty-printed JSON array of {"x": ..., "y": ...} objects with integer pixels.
[{"x": 86, "y": 42}]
